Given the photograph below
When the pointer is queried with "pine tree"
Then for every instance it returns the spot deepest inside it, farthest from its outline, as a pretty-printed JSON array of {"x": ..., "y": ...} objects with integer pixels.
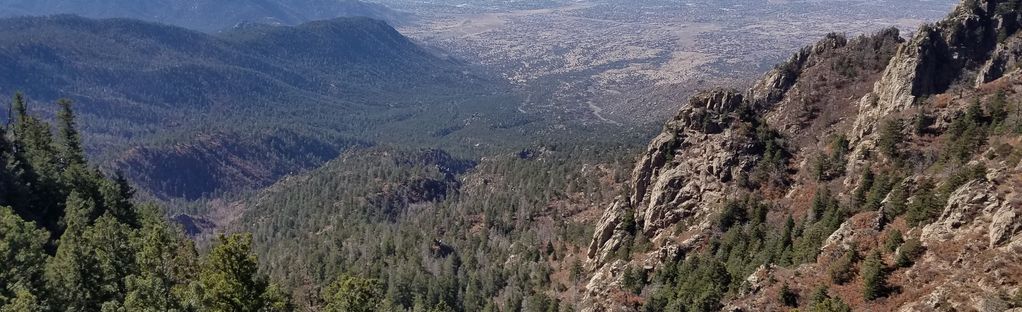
[
  {"x": 117, "y": 201},
  {"x": 925, "y": 205},
  {"x": 230, "y": 277},
  {"x": 865, "y": 184},
  {"x": 843, "y": 269},
  {"x": 22, "y": 257},
  {"x": 152, "y": 288},
  {"x": 908, "y": 252},
  {"x": 73, "y": 271},
  {"x": 874, "y": 278},
  {"x": 891, "y": 137},
  {"x": 823, "y": 302},
  {"x": 71, "y": 152},
  {"x": 14, "y": 180},
  {"x": 20, "y": 117},
  {"x": 353, "y": 294}
]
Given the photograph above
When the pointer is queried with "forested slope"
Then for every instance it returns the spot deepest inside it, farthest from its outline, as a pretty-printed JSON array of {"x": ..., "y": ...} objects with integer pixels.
[
  {"x": 73, "y": 239},
  {"x": 204, "y": 114}
]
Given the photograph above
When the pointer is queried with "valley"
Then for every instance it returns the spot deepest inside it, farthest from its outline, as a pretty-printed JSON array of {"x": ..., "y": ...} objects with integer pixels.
[
  {"x": 506, "y": 156},
  {"x": 637, "y": 60}
]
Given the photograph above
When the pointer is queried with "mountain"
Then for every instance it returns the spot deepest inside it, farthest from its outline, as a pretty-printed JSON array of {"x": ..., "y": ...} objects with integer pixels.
[
  {"x": 189, "y": 115},
  {"x": 866, "y": 174},
  {"x": 872, "y": 173},
  {"x": 208, "y": 15}
]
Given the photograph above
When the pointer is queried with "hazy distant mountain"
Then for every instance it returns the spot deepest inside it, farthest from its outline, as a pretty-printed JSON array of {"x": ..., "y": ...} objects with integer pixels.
[
  {"x": 209, "y": 113},
  {"x": 205, "y": 15}
]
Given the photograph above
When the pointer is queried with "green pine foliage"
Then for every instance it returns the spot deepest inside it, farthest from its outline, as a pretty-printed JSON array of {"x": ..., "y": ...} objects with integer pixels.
[
  {"x": 874, "y": 277},
  {"x": 893, "y": 241},
  {"x": 73, "y": 239},
  {"x": 891, "y": 138},
  {"x": 829, "y": 166},
  {"x": 966, "y": 134},
  {"x": 745, "y": 242},
  {"x": 823, "y": 302},
  {"x": 353, "y": 294},
  {"x": 436, "y": 230},
  {"x": 826, "y": 217},
  {"x": 925, "y": 206},
  {"x": 909, "y": 251}
]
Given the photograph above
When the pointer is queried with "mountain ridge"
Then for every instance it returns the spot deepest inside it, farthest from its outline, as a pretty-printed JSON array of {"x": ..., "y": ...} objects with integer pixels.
[
  {"x": 155, "y": 87},
  {"x": 208, "y": 16},
  {"x": 851, "y": 154}
]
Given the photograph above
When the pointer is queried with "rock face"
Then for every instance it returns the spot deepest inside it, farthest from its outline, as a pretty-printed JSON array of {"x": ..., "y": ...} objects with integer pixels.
[
  {"x": 699, "y": 161},
  {"x": 692, "y": 166},
  {"x": 973, "y": 256},
  {"x": 608, "y": 236},
  {"x": 936, "y": 57},
  {"x": 1006, "y": 57}
]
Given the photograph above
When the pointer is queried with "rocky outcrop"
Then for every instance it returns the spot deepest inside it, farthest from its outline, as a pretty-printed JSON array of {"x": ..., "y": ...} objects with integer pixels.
[
  {"x": 687, "y": 172},
  {"x": 974, "y": 256},
  {"x": 774, "y": 85},
  {"x": 688, "y": 167},
  {"x": 602, "y": 286},
  {"x": 696, "y": 163},
  {"x": 692, "y": 166},
  {"x": 981, "y": 209},
  {"x": 1006, "y": 58},
  {"x": 608, "y": 236},
  {"x": 935, "y": 60}
]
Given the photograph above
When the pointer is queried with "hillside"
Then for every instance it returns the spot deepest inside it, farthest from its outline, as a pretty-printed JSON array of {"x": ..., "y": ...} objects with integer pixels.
[
  {"x": 872, "y": 173},
  {"x": 207, "y": 114},
  {"x": 207, "y": 15},
  {"x": 435, "y": 230},
  {"x": 867, "y": 174},
  {"x": 74, "y": 239}
]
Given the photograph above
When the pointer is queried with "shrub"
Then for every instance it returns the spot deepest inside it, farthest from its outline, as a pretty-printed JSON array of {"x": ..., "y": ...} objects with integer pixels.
[
  {"x": 823, "y": 302},
  {"x": 894, "y": 239},
  {"x": 842, "y": 270},
  {"x": 909, "y": 252},
  {"x": 921, "y": 123},
  {"x": 788, "y": 297}
]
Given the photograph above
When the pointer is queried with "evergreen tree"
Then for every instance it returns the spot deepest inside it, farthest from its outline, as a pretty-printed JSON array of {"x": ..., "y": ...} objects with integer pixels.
[
  {"x": 353, "y": 294},
  {"x": 20, "y": 117},
  {"x": 230, "y": 278},
  {"x": 908, "y": 252},
  {"x": 22, "y": 257},
  {"x": 823, "y": 302},
  {"x": 14, "y": 181},
  {"x": 891, "y": 137},
  {"x": 925, "y": 205},
  {"x": 874, "y": 278},
  {"x": 71, "y": 152},
  {"x": 73, "y": 271}
]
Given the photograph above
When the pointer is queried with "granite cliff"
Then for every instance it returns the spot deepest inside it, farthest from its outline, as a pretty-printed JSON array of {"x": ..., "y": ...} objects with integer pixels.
[{"x": 907, "y": 150}]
